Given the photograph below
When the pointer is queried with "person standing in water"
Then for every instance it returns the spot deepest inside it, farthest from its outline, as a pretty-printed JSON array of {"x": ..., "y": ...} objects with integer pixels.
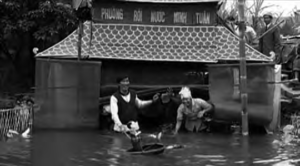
[
  {"x": 193, "y": 110},
  {"x": 124, "y": 104}
]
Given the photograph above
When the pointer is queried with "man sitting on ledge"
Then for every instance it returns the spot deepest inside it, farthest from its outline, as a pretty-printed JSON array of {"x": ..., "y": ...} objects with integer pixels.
[{"x": 124, "y": 104}]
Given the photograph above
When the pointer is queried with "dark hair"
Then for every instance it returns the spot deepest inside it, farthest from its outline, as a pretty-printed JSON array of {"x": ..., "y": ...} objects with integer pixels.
[
  {"x": 121, "y": 78},
  {"x": 267, "y": 15},
  {"x": 231, "y": 18}
]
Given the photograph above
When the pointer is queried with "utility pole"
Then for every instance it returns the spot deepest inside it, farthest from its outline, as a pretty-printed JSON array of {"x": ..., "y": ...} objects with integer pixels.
[
  {"x": 80, "y": 32},
  {"x": 76, "y": 5},
  {"x": 243, "y": 67}
]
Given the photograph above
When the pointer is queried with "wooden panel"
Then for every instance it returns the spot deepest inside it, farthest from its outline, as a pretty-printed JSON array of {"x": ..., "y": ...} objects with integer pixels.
[
  {"x": 68, "y": 93},
  {"x": 148, "y": 75},
  {"x": 224, "y": 93}
]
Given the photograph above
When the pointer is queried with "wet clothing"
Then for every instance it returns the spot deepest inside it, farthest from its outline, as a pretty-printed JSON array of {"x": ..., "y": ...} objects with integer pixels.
[
  {"x": 270, "y": 41},
  {"x": 136, "y": 141},
  {"x": 192, "y": 122},
  {"x": 125, "y": 108}
]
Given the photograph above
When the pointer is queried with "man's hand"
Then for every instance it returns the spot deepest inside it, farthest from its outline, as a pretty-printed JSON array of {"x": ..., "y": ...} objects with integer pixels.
[
  {"x": 200, "y": 114},
  {"x": 155, "y": 97},
  {"x": 123, "y": 128},
  {"x": 272, "y": 53},
  {"x": 170, "y": 92},
  {"x": 174, "y": 133}
]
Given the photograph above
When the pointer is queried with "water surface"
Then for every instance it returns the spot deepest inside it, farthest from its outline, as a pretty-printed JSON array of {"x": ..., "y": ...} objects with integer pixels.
[{"x": 89, "y": 148}]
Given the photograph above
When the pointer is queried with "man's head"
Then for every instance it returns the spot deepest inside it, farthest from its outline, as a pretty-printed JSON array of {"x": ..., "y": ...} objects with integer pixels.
[
  {"x": 186, "y": 96},
  {"x": 268, "y": 18},
  {"x": 123, "y": 84}
]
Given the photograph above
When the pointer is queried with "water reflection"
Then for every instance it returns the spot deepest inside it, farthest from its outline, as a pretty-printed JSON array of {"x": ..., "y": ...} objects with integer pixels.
[
  {"x": 15, "y": 152},
  {"x": 57, "y": 148}
]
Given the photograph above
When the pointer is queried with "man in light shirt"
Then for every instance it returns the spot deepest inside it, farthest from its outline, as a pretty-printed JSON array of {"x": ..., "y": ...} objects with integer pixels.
[
  {"x": 250, "y": 34},
  {"x": 193, "y": 110},
  {"x": 124, "y": 105}
]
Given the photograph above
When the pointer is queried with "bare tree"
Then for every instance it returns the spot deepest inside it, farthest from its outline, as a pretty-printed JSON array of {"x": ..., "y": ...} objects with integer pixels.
[
  {"x": 225, "y": 13},
  {"x": 255, "y": 11},
  {"x": 295, "y": 18}
]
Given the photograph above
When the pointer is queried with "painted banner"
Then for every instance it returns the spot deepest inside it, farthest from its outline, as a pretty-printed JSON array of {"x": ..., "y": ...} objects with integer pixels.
[{"x": 155, "y": 13}]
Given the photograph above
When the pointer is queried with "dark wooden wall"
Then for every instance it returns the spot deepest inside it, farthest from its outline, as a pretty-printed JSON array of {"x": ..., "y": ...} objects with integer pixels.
[
  {"x": 225, "y": 94},
  {"x": 151, "y": 75}
]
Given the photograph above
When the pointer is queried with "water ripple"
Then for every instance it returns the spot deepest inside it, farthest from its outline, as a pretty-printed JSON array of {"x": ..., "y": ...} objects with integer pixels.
[{"x": 88, "y": 149}]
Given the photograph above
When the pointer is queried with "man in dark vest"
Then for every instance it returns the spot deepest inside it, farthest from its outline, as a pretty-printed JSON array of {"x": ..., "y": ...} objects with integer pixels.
[
  {"x": 270, "y": 43},
  {"x": 124, "y": 104}
]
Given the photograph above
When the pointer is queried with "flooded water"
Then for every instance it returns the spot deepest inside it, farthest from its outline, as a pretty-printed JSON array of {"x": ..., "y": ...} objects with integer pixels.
[
  {"x": 65, "y": 148},
  {"x": 15, "y": 152}
]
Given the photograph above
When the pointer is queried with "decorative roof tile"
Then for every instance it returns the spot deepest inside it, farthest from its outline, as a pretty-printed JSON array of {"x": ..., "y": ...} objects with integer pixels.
[{"x": 154, "y": 43}]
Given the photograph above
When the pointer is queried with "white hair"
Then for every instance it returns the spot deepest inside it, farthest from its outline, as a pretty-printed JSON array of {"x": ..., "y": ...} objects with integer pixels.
[
  {"x": 185, "y": 92},
  {"x": 288, "y": 129}
]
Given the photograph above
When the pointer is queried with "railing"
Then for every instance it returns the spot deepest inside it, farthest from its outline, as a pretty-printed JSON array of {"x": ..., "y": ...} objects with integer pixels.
[{"x": 18, "y": 119}]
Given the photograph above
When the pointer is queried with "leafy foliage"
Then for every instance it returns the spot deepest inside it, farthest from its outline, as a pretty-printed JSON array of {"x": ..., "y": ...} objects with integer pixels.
[
  {"x": 230, "y": 12},
  {"x": 295, "y": 20},
  {"x": 253, "y": 13},
  {"x": 43, "y": 19},
  {"x": 25, "y": 24},
  {"x": 52, "y": 19}
]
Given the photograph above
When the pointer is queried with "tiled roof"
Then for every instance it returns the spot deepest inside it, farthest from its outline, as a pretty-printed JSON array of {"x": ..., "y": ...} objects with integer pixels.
[{"x": 154, "y": 43}]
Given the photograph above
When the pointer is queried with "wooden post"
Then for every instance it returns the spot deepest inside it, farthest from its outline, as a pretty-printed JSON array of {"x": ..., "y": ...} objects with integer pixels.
[
  {"x": 76, "y": 5},
  {"x": 80, "y": 31},
  {"x": 243, "y": 67}
]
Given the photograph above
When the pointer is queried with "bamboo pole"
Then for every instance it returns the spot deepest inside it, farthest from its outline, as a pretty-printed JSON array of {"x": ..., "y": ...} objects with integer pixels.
[
  {"x": 273, "y": 27},
  {"x": 243, "y": 68},
  {"x": 80, "y": 30},
  {"x": 76, "y": 5}
]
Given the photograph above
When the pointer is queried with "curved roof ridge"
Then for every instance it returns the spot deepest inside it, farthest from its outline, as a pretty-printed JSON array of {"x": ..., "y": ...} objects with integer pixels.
[
  {"x": 68, "y": 47},
  {"x": 154, "y": 43},
  {"x": 57, "y": 44},
  {"x": 248, "y": 48}
]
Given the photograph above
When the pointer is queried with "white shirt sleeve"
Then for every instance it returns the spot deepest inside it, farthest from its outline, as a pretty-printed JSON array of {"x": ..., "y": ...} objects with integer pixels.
[
  {"x": 114, "y": 110},
  {"x": 251, "y": 31},
  {"x": 141, "y": 104}
]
